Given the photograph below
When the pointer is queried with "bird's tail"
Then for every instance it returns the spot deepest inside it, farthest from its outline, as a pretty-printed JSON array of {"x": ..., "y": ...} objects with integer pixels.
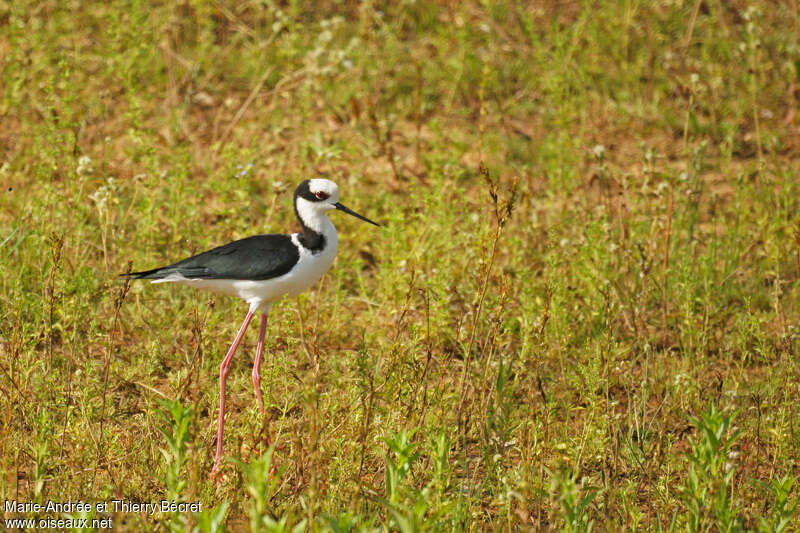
[{"x": 156, "y": 273}]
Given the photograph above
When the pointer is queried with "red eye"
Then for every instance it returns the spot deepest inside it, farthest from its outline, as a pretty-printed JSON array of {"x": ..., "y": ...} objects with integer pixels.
[{"x": 321, "y": 195}]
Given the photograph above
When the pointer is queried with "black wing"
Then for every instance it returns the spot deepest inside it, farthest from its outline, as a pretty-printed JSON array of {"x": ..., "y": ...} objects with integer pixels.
[{"x": 255, "y": 258}]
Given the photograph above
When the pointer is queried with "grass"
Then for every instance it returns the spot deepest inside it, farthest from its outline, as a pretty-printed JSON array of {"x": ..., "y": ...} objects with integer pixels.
[{"x": 581, "y": 314}]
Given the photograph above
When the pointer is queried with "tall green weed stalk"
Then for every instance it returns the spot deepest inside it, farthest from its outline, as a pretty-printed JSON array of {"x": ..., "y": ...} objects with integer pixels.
[{"x": 709, "y": 489}]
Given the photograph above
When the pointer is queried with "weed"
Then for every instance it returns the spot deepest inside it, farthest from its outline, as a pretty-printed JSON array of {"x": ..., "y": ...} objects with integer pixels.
[
  {"x": 709, "y": 490},
  {"x": 784, "y": 506},
  {"x": 412, "y": 509},
  {"x": 262, "y": 481},
  {"x": 177, "y": 434},
  {"x": 574, "y": 501}
]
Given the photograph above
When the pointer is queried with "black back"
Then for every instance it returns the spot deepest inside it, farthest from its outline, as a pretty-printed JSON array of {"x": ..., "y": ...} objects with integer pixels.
[{"x": 253, "y": 258}]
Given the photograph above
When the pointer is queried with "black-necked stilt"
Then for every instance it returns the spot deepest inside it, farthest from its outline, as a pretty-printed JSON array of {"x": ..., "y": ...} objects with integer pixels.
[{"x": 262, "y": 269}]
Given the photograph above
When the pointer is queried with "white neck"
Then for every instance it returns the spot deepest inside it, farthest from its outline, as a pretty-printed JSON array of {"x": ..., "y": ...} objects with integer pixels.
[{"x": 313, "y": 216}]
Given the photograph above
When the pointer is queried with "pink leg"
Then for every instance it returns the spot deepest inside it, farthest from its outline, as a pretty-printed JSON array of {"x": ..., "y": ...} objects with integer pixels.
[
  {"x": 259, "y": 357},
  {"x": 223, "y": 375}
]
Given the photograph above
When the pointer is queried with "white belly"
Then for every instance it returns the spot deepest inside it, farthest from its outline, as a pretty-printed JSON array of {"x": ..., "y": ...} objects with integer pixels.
[{"x": 308, "y": 271}]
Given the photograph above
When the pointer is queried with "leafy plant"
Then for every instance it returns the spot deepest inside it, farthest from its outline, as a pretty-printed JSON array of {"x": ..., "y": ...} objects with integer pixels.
[
  {"x": 785, "y": 502},
  {"x": 211, "y": 521},
  {"x": 177, "y": 433},
  {"x": 574, "y": 501},
  {"x": 262, "y": 481},
  {"x": 708, "y": 492},
  {"x": 398, "y": 463}
]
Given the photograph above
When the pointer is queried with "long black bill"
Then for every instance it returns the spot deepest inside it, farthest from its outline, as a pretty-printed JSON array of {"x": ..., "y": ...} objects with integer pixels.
[{"x": 349, "y": 211}]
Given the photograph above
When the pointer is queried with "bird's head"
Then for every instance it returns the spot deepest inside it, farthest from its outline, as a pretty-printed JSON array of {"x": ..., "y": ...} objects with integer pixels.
[{"x": 314, "y": 197}]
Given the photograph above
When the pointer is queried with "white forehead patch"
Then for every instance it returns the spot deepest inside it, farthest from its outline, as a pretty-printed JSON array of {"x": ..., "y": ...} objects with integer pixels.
[{"x": 318, "y": 184}]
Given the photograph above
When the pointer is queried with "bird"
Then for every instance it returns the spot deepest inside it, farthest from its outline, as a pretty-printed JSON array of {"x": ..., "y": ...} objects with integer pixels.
[{"x": 262, "y": 269}]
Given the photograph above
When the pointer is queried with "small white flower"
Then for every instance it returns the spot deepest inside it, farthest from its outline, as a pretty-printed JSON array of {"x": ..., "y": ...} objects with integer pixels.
[
  {"x": 100, "y": 198},
  {"x": 599, "y": 151},
  {"x": 84, "y": 166}
]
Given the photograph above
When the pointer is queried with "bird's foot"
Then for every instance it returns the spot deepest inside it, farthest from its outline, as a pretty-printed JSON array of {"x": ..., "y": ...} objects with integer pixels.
[{"x": 216, "y": 473}]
